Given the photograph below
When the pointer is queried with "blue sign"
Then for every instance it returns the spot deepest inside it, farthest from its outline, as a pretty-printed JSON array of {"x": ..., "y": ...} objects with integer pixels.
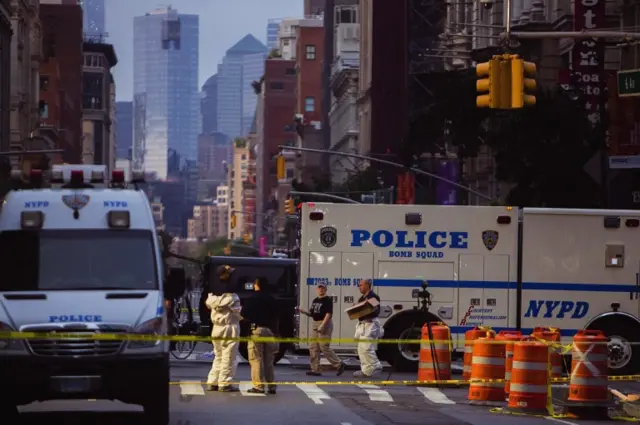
[
  {"x": 419, "y": 239},
  {"x": 36, "y": 204},
  {"x": 115, "y": 204},
  {"x": 66, "y": 318},
  {"x": 557, "y": 309}
]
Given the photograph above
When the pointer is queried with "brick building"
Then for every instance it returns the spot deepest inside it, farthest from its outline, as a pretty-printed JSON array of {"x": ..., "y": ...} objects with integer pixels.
[{"x": 62, "y": 44}]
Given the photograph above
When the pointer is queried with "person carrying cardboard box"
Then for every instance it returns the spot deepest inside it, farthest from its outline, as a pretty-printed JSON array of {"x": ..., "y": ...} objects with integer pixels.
[{"x": 368, "y": 329}]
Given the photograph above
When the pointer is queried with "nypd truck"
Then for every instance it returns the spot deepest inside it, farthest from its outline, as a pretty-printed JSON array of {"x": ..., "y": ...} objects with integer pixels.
[
  {"x": 82, "y": 261},
  {"x": 501, "y": 267}
]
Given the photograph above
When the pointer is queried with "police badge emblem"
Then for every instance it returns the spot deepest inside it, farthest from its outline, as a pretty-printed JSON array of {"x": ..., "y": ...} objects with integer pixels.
[
  {"x": 76, "y": 201},
  {"x": 490, "y": 239},
  {"x": 328, "y": 236}
]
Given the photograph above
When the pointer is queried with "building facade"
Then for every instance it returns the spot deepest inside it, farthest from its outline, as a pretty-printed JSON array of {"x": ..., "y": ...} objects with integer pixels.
[
  {"x": 5, "y": 75},
  {"x": 209, "y": 105},
  {"x": 98, "y": 104},
  {"x": 26, "y": 50},
  {"x": 272, "y": 33},
  {"x": 63, "y": 43},
  {"x": 238, "y": 172},
  {"x": 166, "y": 99},
  {"x": 242, "y": 64},
  {"x": 124, "y": 130},
  {"x": 209, "y": 222}
]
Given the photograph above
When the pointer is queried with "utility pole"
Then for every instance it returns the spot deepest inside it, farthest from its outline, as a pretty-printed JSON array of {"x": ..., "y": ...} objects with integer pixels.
[{"x": 393, "y": 164}]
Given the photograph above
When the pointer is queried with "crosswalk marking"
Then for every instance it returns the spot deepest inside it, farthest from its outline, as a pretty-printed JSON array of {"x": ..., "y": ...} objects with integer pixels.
[
  {"x": 375, "y": 393},
  {"x": 244, "y": 390},
  {"x": 314, "y": 392},
  {"x": 191, "y": 389},
  {"x": 435, "y": 395}
]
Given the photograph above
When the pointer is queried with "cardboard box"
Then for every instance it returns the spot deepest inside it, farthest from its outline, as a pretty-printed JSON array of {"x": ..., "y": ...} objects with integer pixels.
[{"x": 362, "y": 308}]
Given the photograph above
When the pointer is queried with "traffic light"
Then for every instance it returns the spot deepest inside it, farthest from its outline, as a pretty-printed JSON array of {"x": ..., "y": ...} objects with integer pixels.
[
  {"x": 280, "y": 167},
  {"x": 522, "y": 81},
  {"x": 289, "y": 207},
  {"x": 246, "y": 239},
  {"x": 488, "y": 84},
  {"x": 233, "y": 220}
]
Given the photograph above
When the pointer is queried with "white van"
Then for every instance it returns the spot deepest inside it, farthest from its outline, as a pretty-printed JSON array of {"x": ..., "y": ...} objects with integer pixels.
[{"x": 84, "y": 261}]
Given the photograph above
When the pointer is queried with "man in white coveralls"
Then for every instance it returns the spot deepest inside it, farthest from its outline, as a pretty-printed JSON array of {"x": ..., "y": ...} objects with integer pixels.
[
  {"x": 225, "y": 323},
  {"x": 368, "y": 329}
]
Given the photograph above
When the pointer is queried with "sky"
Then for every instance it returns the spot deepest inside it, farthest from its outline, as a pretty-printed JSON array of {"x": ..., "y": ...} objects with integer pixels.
[{"x": 222, "y": 24}]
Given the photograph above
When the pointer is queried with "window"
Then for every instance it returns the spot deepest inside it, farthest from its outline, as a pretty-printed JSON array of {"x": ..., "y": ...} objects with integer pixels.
[
  {"x": 309, "y": 104},
  {"x": 243, "y": 157},
  {"x": 289, "y": 174},
  {"x": 310, "y": 52},
  {"x": 77, "y": 260},
  {"x": 276, "y": 85},
  {"x": 346, "y": 15},
  {"x": 44, "y": 109},
  {"x": 44, "y": 83},
  {"x": 285, "y": 42},
  {"x": 290, "y": 71}
]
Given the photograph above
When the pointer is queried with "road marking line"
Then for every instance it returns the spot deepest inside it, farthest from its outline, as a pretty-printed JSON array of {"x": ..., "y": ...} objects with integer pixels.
[
  {"x": 191, "y": 389},
  {"x": 436, "y": 396},
  {"x": 284, "y": 361},
  {"x": 560, "y": 421},
  {"x": 314, "y": 392},
  {"x": 245, "y": 387},
  {"x": 375, "y": 393}
]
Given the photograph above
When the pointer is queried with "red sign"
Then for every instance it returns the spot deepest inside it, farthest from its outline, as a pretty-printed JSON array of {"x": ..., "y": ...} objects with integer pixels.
[
  {"x": 588, "y": 55},
  {"x": 406, "y": 188}
]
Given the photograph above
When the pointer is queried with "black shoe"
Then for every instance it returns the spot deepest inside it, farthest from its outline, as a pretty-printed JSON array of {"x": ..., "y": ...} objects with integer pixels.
[
  {"x": 211, "y": 387},
  {"x": 255, "y": 391},
  {"x": 228, "y": 389},
  {"x": 312, "y": 373},
  {"x": 340, "y": 369},
  {"x": 271, "y": 391}
]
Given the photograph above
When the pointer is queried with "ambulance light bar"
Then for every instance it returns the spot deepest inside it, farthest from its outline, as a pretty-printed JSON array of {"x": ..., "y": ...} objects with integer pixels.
[
  {"x": 118, "y": 219},
  {"x": 97, "y": 176},
  {"x": 31, "y": 219},
  {"x": 117, "y": 176},
  {"x": 77, "y": 177}
]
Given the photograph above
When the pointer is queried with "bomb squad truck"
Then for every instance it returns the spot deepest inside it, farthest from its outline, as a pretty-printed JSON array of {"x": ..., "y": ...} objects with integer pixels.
[{"x": 502, "y": 267}]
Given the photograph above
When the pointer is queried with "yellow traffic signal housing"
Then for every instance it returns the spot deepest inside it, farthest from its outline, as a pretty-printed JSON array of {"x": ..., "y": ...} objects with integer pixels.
[
  {"x": 522, "y": 81},
  {"x": 246, "y": 239},
  {"x": 489, "y": 84},
  {"x": 289, "y": 207},
  {"x": 233, "y": 220},
  {"x": 280, "y": 167}
]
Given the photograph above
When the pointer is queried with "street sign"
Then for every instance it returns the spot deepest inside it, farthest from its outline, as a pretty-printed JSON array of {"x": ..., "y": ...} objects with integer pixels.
[
  {"x": 629, "y": 83},
  {"x": 624, "y": 162}
]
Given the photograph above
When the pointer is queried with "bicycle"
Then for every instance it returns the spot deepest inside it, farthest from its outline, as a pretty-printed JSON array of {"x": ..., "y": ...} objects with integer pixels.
[{"x": 181, "y": 350}]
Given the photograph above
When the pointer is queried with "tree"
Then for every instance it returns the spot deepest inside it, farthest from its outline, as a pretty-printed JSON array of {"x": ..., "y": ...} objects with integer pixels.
[
  {"x": 257, "y": 85},
  {"x": 214, "y": 247},
  {"x": 543, "y": 149},
  {"x": 274, "y": 53},
  {"x": 240, "y": 142},
  {"x": 360, "y": 182}
]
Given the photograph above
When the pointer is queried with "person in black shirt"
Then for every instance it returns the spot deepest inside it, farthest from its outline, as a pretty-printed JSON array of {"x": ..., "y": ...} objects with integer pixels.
[
  {"x": 261, "y": 310},
  {"x": 368, "y": 328},
  {"x": 321, "y": 313}
]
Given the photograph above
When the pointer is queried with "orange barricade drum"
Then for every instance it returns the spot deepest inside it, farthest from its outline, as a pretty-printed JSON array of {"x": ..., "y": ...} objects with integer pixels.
[
  {"x": 551, "y": 335},
  {"x": 487, "y": 364},
  {"x": 469, "y": 337},
  {"x": 435, "y": 354},
  {"x": 510, "y": 337},
  {"x": 589, "y": 368},
  {"x": 529, "y": 384}
]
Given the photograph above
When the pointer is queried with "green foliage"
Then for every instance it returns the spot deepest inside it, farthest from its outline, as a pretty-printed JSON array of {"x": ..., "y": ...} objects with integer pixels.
[
  {"x": 240, "y": 142},
  {"x": 257, "y": 85},
  {"x": 274, "y": 53},
  {"x": 214, "y": 247},
  {"x": 367, "y": 180}
]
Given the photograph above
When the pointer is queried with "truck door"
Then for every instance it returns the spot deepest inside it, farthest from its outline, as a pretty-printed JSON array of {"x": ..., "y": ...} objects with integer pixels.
[
  {"x": 470, "y": 290},
  {"x": 355, "y": 266},
  {"x": 326, "y": 267},
  {"x": 495, "y": 304}
]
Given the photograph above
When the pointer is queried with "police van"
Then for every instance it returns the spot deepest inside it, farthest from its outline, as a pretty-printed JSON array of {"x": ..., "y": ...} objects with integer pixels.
[
  {"x": 502, "y": 267},
  {"x": 82, "y": 261}
]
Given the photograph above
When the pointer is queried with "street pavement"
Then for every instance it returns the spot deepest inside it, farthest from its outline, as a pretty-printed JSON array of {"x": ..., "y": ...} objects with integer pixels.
[{"x": 301, "y": 401}]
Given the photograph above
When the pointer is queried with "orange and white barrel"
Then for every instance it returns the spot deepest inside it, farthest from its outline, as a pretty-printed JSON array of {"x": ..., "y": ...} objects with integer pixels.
[
  {"x": 469, "y": 337},
  {"x": 435, "y": 355},
  {"x": 510, "y": 337},
  {"x": 487, "y": 365},
  {"x": 589, "y": 368},
  {"x": 529, "y": 385},
  {"x": 552, "y": 337}
]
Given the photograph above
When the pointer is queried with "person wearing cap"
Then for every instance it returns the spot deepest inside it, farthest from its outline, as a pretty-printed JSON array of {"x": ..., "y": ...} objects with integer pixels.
[
  {"x": 225, "y": 330},
  {"x": 321, "y": 312}
]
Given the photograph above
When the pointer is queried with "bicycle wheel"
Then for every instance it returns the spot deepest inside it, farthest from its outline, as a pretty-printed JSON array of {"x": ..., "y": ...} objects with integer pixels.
[{"x": 183, "y": 349}]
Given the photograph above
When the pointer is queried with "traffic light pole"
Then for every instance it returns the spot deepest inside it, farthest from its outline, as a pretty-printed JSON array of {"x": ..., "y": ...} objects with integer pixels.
[
  {"x": 393, "y": 164},
  {"x": 324, "y": 195}
]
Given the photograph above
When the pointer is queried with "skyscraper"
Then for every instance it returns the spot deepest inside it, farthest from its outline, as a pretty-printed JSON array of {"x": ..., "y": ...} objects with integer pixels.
[
  {"x": 124, "y": 129},
  {"x": 242, "y": 64},
  {"x": 93, "y": 18},
  {"x": 273, "y": 25},
  {"x": 209, "y": 105},
  {"x": 165, "y": 81}
]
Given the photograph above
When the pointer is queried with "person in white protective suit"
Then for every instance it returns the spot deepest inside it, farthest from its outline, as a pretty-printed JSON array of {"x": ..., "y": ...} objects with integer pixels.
[
  {"x": 225, "y": 323},
  {"x": 369, "y": 329}
]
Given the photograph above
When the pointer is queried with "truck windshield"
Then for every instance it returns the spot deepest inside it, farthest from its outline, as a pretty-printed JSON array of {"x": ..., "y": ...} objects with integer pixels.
[{"x": 77, "y": 260}]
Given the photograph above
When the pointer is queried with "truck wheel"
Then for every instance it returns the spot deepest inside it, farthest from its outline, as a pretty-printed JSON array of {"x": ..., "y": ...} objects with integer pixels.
[
  {"x": 624, "y": 356},
  {"x": 156, "y": 406},
  {"x": 244, "y": 352},
  {"x": 402, "y": 356}
]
